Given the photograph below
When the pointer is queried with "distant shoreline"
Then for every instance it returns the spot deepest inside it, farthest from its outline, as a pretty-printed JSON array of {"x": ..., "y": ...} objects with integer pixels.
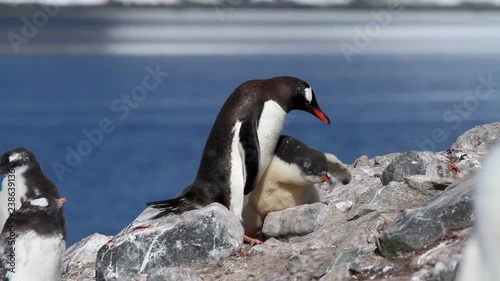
[{"x": 5, "y": 7}]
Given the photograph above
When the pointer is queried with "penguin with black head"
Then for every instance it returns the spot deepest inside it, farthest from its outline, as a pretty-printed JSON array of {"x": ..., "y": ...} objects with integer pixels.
[
  {"x": 242, "y": 142},
  {"x": 24, "y": 179}
]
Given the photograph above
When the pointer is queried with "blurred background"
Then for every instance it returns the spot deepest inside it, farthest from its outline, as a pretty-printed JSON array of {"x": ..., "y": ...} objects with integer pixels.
[{"x": 117, "y": 98}]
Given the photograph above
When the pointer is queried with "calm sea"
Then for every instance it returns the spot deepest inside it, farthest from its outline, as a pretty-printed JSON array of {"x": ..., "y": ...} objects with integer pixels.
[{"x": 415, "y": 74}]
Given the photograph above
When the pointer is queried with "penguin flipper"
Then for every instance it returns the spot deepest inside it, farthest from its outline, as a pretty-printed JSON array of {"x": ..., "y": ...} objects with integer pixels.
[
  {"x": 250, "y": 142},
  {"x": 338, "y": 169}
]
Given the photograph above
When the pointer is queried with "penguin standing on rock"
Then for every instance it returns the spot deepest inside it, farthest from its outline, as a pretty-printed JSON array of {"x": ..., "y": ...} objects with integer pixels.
[
  {"x": 290, "y": 180},
  {"x": 32, "y": 242},
  {"x": 23, "y": 180},
  {"x": 242, "y": 142}
]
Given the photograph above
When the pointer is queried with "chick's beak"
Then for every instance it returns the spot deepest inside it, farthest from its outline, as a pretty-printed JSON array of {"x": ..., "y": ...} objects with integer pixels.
[
  {"x": 325, "y": 178},
  {"x": 61, "y": 201}
]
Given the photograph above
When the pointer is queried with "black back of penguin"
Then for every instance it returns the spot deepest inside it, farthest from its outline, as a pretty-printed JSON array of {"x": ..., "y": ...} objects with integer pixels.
[{"x": 42, "y": 218}]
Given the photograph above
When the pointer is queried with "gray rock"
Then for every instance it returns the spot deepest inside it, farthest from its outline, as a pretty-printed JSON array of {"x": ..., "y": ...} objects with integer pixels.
[
  {"x": 295, "y": 264},
  {"x": 323, "y": 269},
  {"x": 378, "y": 162},
  {"x": 346, "y": 235},
  {"x": 383, "y": 161},
  {"x": 434, "y": 166},
  {"x": 429, "y": 172},
  {"x": 342, "y": 197},
  {"x": 441, "y": 251},
  {"x": 344, "y": 206},
  {"x": 208, "y": 233},
  {"x": 173, "y": 274},
  {"x": 276, "y": 278},
  {"x": 350, "y": 255},
  {"x": 423, "y": 274},
  {"x": 426, "y": 185},
  {"x": 363, "y": 161},
  {"x": 479, "y": 139},
  {"x": 406, "y": 164},
  {"x": 337, "y": 273},
  {"x": 394, "y": 196},
  {"x": 268, "y": 246},
  {"x": 296, "y": 221},
  {"x": 366, "y": 263},
  {"x": 446, "y": 269},
  {"x": 449, "y": 211},
  {"x": 78, "y": 262},
  {"x": 275, "y": 248}
]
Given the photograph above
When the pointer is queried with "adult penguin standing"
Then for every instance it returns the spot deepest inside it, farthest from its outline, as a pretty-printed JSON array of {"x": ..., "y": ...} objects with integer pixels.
[{"x": 242, "y": 142}]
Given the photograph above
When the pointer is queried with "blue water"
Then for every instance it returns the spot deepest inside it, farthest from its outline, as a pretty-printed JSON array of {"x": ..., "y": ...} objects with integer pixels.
[{"x": 378, "y": 104}]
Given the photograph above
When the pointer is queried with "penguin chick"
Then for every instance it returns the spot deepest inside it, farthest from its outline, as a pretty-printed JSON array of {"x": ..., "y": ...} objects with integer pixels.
[
  {"x": 290, "y": 180},
  {"x": 23, "y": 180},
  {"x": 32, "y": 241}
]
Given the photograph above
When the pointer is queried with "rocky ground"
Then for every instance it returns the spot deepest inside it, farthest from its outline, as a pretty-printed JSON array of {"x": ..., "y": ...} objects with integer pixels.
[{"x": 405, "y": 216}]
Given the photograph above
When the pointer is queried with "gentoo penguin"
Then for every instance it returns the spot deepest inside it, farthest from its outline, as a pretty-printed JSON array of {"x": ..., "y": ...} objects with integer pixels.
[
  {"x": 242, "y": 142},
  {"x": 32, "y": 241},
  {"x": 290, "y": 180},
  {"x": 481, "y": 257},
  {"x": 23, "y": 180}
]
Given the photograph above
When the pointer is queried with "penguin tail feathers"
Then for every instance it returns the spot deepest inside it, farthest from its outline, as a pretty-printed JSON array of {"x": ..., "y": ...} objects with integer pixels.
[{"x": 176, "y": 205}]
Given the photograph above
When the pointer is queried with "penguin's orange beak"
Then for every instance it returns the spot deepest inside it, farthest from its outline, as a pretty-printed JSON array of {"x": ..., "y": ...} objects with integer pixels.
[
  {"x": 61, "y": 201},
  {"x": 321, "y": 115},
  {"x": 325, "y": 178}
]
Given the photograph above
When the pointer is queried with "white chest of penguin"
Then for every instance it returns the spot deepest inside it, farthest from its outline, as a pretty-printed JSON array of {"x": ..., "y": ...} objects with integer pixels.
[
  {"x": 17, "y": 181},
  {"x": 37, "y": 257},
  {"x": 271, "y": 123}
]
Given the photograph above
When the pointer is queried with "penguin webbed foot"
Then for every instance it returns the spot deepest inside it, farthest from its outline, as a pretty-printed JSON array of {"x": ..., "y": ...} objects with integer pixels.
[{"x": 250, "y": 240}]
